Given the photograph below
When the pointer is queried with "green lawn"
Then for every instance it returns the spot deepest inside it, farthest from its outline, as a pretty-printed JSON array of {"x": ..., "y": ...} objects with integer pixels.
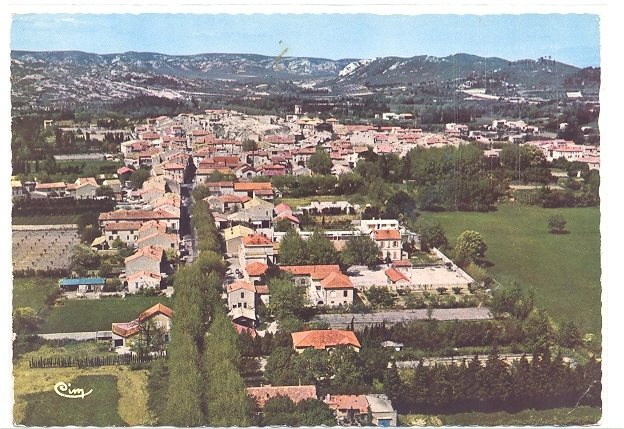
[
  {"x": 96, "y": 314},
  {"x": 99, "y": 408},
  {"x": 563, "y": 269},
  {"x": 580, "y": 416},
  {"x": 32, "y": 291}
]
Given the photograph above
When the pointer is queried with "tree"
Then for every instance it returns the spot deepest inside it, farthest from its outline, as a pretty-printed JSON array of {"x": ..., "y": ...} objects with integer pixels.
[
  {"x": 360, "y": 250},
  {"x": 557, "y": 223},
  {"x": 431, "y": 234},
  {"x": 105, "y": 191},
  {"x": 138, "y": 177},
  {"x": 293, "y": 250},
  {"x": 25, "y": 320},
  {"x": 320, "y": 162},
  {"x": 400, "y": 204},
  {"x": 150, "y": 338},
  {"x": 84, "y": 259},
  {"x": 282, "y": 225},
  {"x": 286, "y": 298},
  {"x": 320, "y": 249},
  {"x": 250, "y": 145},
  {"x": 470, "y": 245},
  {"x": 379, "y": 296}
]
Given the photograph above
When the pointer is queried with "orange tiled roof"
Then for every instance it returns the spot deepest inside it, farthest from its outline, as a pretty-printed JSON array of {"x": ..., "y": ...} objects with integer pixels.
[
  {"x": 256, "y": 269},
  {"x": 152, "y": 252},
  {"x": 144, "y": 273},
  {"x": 252, "y": 186},
  {"x": 257, "y": 240},
  {"x": 317, "y": 272},
  {"x": 122, "y": 226},
  {"x": 262, "y": 289},
  {"x": 395, "y": 275},
  {"x": 297, "y": 393},
  {"x": 240, "y": 285},
  {"x": 337, "y": 281},
  {"x": 387, "y": 234},
  {"x": 348, "y": 402},
  {"x": 160, "y": 226},
  {"x": 323, "y": 338}
]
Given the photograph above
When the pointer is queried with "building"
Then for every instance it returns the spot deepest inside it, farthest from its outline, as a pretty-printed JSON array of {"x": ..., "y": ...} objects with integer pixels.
[
  {"x": 262, "y": 395},
  {"x": 255, "y": 248},
  {"x": 324, "y": 339},
  {"x": 143, "y": 280},
  {"x": 389, "y": 242},
  {"x": 242, "y": 300},
  {"x": 125, "y": 334},
  {"x": 148, "y": 258},
  {"x": 382, "y": 413}
]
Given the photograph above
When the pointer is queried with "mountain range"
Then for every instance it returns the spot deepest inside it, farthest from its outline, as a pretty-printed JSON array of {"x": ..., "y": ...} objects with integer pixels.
[{"x": 66, "y": 78}]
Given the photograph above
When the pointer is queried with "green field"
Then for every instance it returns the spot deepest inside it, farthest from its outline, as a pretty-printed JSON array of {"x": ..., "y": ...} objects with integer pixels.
[
  {"x": 563, "y": 269},
  {"x": 32, "y": 291},
  {"x": 96, "y": 409},
  {"x": 90, "y": 315},
  {"x": 556, "y": 417}
]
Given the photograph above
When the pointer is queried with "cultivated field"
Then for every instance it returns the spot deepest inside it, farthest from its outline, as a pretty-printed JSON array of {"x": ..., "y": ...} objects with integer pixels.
[
  {"x": 563, "y": 269},
  {"x": 43, "y": 247}
]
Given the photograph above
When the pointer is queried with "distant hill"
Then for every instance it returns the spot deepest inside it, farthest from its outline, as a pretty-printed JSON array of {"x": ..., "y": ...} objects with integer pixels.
[{"x": 69, "y": 78}]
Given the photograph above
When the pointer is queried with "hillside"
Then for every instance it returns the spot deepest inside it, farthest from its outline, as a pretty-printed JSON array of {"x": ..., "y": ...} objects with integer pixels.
[{"x": 70, "y": 78}]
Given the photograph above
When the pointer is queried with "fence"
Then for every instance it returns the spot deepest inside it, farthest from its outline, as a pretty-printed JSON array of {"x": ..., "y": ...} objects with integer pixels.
[{"x": 82, "y": 362}]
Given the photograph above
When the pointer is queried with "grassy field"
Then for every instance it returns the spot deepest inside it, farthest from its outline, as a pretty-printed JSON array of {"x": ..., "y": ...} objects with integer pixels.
[
  {"x": 45, "y": 220},
  {"x": 555, "y": 417},
  {"x": 305, "y": 201},
  {"x": 563, "y": 269},
  {"x": 32, "y": 291},
  {"x": 119, "y": 395},
  {"x": 96, "y": 314}
]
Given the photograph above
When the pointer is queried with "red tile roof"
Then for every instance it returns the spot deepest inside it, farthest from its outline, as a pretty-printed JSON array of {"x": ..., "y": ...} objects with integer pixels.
[
  {"x": 262, "y": 289},
  {"x": 160, "y": 226},
  {"x": 402, "y": 263},
  {"x": 252, "y": 186},
  {"x": 158, "y": 308},
  {"x": 337, "y": 281},
  {"x": 348, "y": 402},
  {"x": 144, "y": 273},
  {"x": 324, "y": 338},
  {"x": 256, "y": 269},
  {"x": 122, "y": 226},
  {"x": 130, "y": 328},
  {"x": 317, "y": 272},
  {"x": 240, "y": 329},
  {"x": 297, "y": 393},
  {"x": 387, "y": 234},
  {"x": 152, "y": 252},
  {"x": 395, "y": 275},
  {"x": 282, "y": 208},
  {"x": 257, "y": 240},
  {"x": 240, "y": 285},
  {"x": 136, "y": 215}
]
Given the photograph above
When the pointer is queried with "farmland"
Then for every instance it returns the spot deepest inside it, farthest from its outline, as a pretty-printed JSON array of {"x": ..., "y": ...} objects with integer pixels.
[{"x": 563, "y": 269}]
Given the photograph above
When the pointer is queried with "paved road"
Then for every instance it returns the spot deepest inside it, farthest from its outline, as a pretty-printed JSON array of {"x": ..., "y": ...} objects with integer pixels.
[
  {"x": 392, "y": 317},
  {"x": 78, "y": 336}
]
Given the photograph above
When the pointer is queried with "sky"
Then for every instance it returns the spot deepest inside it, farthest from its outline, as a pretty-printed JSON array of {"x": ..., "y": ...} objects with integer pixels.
[{"x": 571, "y": 38}]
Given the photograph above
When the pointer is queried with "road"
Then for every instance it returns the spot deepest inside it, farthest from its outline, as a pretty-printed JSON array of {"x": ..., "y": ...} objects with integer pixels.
[{"x": 392, "y": 317}]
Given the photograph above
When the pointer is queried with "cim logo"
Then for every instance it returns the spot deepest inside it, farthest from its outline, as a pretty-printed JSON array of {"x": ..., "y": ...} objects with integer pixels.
[{"x": 63, "y": 389}]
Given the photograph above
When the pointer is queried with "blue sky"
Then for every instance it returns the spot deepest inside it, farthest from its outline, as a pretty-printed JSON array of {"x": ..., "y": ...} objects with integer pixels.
[{"x": 569, "y": 38}]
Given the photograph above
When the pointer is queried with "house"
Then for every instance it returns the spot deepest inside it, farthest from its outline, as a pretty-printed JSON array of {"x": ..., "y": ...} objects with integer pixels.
[
  {"x": 396, "y": 277},
  {"x": 262, "y": 190},
  {"x": 171, "y": 220},
  {"x": 294, "y": 221},
  {"x": 128, "y": 232},
  {"x": 324, "y": 283},
  {"x": 324, "y": 339},
  {"x": 143, "y": 279},
  {"x": 254, "y": 271},
  {"x": 262, "y": 395},
  {"x": 150, "y": 227},
  {"x": 124, "y": 334},
  {"x": 382, "y": 413},
  {"x": 255, "y": 248},
  {"x": 115, "y": 185},
  {"x": 240, "y": 329},
  {"x": 160, "y": 239},
  {"x": 389, "y": 242},
  {"x": 148, "y": 258},
  {"x": 51, "y": 190},
  {"x": 233, "y": 237},
  {"x": 242, "y": 298},
  {"x": 349, "y": 409},
  {"x": 84, "y": 188},
  {"x": 82, "y": 285},
  {"x": 337, "y": 290}
]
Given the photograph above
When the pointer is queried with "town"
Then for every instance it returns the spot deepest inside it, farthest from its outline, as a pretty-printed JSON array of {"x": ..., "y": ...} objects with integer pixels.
[{"x": 304, "y": 285}]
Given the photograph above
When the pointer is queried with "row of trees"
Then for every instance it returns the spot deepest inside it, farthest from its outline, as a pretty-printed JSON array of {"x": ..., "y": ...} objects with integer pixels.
[
  {"x": 319, "y": 250},
  {"x": 204, "y": 385},
  {"x": 542, "y": 383}
]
